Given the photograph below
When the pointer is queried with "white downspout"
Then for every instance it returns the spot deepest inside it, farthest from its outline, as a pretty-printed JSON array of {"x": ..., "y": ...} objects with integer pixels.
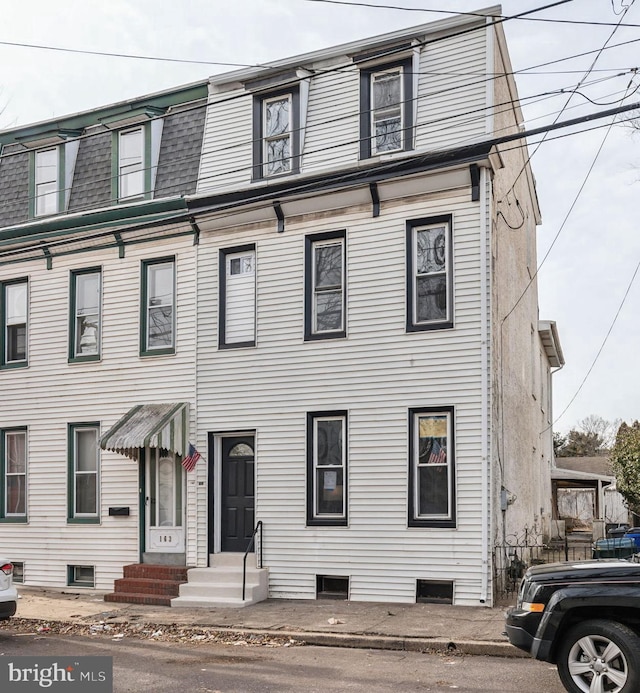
[{"x": 485, "y": 285}]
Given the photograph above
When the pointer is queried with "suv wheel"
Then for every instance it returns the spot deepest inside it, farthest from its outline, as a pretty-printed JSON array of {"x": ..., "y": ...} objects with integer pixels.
[{"x": 600, "y": 657}]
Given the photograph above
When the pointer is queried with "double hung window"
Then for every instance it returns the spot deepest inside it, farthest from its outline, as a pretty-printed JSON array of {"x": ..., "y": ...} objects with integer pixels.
[
  {"x": 13, "y": 481},
  {"x": 158, "y": 307},
  {"x": 386, "y": 109},
  {"x": 237, "y": 312},
  {"x": 84, "y": 473},
  {"x": 46, "y": 182},
  {"x": 431, "y": 468},
  {"x": 133, "y": 172},
  {"x": 85, "y": 328},
  {"x": 14, "y": 322},
  {"x": 276, "y": 134},
  {"x": 327, "y": 468},
  {"x": 429, "y": 260},
  {"x": 325, "y": 285}
]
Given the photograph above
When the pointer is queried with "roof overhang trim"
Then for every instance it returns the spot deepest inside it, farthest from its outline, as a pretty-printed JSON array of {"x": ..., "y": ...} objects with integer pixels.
[{"x": 551, "y": 342}]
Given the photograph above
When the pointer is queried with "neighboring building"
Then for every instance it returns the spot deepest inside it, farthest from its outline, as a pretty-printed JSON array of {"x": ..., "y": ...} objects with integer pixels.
[
  {"x": 342, "y": 318},
  {"x": 585, "y": 497}
]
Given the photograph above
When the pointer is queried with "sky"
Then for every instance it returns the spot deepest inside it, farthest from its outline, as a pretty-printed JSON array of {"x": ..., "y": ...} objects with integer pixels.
[{"x": 588, "y": 178}]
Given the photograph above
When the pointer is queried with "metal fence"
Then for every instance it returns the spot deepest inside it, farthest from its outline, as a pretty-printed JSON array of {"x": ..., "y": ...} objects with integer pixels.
[{"x": 518, "y": 552}]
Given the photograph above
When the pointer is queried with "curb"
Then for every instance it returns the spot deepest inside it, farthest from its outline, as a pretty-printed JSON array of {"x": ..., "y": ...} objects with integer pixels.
[{"x": 490, "y": 648}]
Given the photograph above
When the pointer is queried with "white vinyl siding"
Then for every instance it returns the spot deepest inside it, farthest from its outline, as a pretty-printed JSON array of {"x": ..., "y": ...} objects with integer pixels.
[
  {"x": 331, "y": 136},
  {"x": 452, "y": 99},
  {"x": 376, "y": 375},
  {"x": 48, "y": 543},
  {"x": 227, "y": 149}
]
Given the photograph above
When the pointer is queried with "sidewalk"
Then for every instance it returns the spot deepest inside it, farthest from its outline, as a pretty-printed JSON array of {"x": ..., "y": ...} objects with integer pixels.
[{"x": 415, "y": 627}]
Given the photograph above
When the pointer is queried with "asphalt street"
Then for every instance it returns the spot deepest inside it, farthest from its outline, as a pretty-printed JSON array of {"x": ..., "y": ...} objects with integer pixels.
[{"x": 142, "y": 665}]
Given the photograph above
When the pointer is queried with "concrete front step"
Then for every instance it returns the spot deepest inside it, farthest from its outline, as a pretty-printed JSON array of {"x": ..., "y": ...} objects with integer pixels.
[
  {"x": 133, "y": 598},
  {"x": 211, "y": 602},
  {"x": 221, "y": 584}
]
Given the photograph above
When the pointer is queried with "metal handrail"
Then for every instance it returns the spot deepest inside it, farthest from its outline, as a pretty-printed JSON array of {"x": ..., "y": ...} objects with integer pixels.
[{"x": 258, "y": 528}]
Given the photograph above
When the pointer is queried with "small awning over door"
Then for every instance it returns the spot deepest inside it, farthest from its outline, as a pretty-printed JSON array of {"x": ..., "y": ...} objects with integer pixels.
[{"x": 163, "y": 426}]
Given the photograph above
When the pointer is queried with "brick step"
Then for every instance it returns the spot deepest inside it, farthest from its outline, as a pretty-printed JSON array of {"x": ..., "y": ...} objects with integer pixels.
[
  {"x": 155, "y": 572},
  {"x": 129, "y": 585},
  {"x": 132, "y": 598}
]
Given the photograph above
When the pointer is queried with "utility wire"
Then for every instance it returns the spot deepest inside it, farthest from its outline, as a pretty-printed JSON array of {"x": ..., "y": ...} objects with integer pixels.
[
  {"x": 604, "y": 341},
  {"x": 434, "y": 126}
]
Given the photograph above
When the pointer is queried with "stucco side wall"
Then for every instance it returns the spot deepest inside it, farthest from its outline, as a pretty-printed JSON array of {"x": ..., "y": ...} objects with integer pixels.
[{"x": 521, "y": 450}]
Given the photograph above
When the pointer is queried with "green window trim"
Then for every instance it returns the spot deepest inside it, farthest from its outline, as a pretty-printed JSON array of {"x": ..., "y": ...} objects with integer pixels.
[
  {"x": 5, "y": 362},
  {"x": 146, "y": 163},
  {"x": 13, "y": 518},
  {"x": 72, "y": 517},
  {"x": 74, "y": 357},
  {"x": 60, "y": 181},
  {"x": 145, "y": 349}
]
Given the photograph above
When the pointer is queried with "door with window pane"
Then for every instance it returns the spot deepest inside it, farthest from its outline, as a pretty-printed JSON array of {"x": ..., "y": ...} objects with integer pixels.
[
  {"x": 238, "y": 495},
  {"x": 164, "y": 502}
]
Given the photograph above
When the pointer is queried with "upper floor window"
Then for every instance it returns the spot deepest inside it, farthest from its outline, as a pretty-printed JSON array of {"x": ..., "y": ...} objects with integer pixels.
[
  {"x": 276, "y": 134},
  {"x": 431, "y": 468},
  {"x": 158, "y": 307},
  {"x": 386, "y": 109},
  {"x": 429, "y": 274},
  {"x": 325, "y": 285},
  {"x": 237, "y": 311},
  {"x": 14, "y": 322},
  {"x": 84, "y": 472},
  {"x": 13, "y": 475},
  {"x": 47, "y": 186},
  {"x": 85, "y": 328},
  {"x": 133, "y": 174},
  {"x": 327, "y": 468}
]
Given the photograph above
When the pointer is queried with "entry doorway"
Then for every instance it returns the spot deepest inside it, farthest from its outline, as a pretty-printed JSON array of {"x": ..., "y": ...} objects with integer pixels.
[
  {"x": 232, "y": 503},
  {"x": 164, "y": 502}
]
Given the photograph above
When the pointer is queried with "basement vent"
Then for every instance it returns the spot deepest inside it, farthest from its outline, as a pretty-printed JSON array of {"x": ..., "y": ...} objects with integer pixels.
[
  {"x": 18, "y": 572},
  {"x": 81, "y": 576},
  {"x": 332, "y": 587},
  {"x": 434, "y": 592}
]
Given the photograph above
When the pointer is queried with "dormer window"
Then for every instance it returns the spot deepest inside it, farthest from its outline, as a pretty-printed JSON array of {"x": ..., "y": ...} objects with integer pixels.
[
  {"x": 131, "y": 163},
  {"x": 386, "y": 109},
  {"x": 276, "y": 134},
  {"x": 276, "y": 119},
  {"x": 46, "y": 188}
]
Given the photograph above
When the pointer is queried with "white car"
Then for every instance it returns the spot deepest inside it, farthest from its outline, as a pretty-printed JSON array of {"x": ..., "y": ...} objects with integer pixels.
[{"x": 8, "y": 593}]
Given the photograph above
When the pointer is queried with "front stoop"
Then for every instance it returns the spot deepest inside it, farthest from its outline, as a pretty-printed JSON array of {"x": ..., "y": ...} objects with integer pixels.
[
  {"x": 144, "y": 583},
  {"x": 221, "y": 584}
]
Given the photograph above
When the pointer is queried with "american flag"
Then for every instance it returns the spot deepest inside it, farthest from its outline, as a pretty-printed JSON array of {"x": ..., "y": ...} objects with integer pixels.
[
  {"x": 438, "y": 454},
  {"x": 189, "y": 462}
]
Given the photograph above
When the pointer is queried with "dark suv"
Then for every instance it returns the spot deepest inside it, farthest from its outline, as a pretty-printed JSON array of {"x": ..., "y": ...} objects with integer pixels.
[{"x": 585, "y": 618}]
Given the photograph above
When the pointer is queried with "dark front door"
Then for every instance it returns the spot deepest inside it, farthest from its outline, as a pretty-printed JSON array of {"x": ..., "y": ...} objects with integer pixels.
[{"x": 237, "y": 493}]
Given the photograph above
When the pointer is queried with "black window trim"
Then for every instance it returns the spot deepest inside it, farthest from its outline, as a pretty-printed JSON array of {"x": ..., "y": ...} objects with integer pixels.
[
  {"x": 414, "y": 521},
  {"x": 309, "y": 241},
  {"x": 258, "y": 149},
  {"x": 366, "y": 135},
  {"x": 411, "y": 225},
  {"x": 312, "y": 519},
  {"x": 222, "y": 295}
]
